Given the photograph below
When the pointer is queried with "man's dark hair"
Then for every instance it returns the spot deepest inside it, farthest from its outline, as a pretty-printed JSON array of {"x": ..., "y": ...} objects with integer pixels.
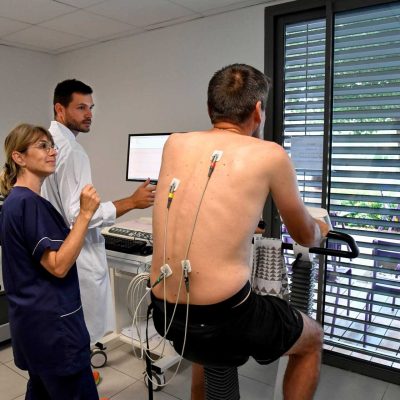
[
  {"x": 233, "y": 92},
  {"x": 64, "y": 90}
]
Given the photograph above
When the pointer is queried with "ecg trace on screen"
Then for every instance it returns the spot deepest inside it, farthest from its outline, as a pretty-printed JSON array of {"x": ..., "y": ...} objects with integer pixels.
[{"x": 144, "y": 156}]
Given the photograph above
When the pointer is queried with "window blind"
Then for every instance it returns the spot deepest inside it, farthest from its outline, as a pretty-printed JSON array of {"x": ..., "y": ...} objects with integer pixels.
[{"x": 361, "y": 315}]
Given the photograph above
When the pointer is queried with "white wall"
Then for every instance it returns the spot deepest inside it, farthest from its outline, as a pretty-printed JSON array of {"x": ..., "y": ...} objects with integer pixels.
[
  {"x": 26, "y": 79},
  {"x": 156, "y": 82}
]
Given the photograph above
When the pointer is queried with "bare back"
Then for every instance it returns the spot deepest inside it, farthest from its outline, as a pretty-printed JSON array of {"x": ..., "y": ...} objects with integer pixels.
[{"x": 232, "y": 205}]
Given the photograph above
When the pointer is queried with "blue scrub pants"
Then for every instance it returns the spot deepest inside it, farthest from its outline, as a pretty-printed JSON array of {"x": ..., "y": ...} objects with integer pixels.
[{"x": 80, "y": 386}]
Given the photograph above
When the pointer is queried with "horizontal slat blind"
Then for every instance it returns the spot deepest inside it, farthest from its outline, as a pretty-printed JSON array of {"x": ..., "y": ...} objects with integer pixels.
[
  {"x": 304, "y": 77},
  {"x": 361, "y": 317},
  {"x": 365, "y": 185}
]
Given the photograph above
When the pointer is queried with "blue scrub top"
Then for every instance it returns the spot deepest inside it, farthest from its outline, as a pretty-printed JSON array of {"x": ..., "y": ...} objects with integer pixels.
[{"x": 48, "y": 332}]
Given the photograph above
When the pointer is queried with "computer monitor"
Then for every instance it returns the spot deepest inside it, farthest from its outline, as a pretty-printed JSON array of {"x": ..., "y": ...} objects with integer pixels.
[{"x": 144, "y": 156}]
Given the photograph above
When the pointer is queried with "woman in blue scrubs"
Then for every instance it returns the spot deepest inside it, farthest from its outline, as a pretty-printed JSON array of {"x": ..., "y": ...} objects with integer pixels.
[{"x": 48, "y": 331}]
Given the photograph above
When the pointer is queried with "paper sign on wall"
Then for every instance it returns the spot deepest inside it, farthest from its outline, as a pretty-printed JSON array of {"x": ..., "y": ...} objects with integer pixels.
[{"x": 306, "y": 152}]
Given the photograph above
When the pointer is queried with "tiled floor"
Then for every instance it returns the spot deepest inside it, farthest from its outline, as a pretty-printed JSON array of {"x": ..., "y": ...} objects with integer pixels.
[
  {"x": 383, "y": 332},
  {"x": 123, "y": 380}
]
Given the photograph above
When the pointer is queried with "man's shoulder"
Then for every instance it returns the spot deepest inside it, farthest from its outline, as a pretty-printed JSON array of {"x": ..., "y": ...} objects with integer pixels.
[
  {"x": 180, "y": 135},
  {"x": 177, "y": 138},
  {"x": 272, "y": 145},
  {"x": 264, "y": 154},
  {"x": 267, "y": 145},
  {"x": 67, "y": 147},
  {"x": 63, "y": 136},
  {"x": 57, "y": 129}
]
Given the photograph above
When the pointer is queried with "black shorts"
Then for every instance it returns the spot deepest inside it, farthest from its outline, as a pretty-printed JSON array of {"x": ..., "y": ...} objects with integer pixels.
[{"x": 226, "y": 334}]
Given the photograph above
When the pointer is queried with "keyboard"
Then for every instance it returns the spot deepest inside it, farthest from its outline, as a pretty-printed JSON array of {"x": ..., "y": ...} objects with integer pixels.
[
  {"x": 124, "y": 245},
  {"x": 131, "y": 234}
]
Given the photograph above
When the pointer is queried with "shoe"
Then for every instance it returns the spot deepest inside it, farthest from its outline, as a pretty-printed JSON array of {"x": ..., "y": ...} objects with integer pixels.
[{"x": 96, "y": 377}]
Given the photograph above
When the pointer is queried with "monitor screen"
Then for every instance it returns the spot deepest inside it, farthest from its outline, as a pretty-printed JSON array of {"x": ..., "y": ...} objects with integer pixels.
[{"x": 144, "y": 156}]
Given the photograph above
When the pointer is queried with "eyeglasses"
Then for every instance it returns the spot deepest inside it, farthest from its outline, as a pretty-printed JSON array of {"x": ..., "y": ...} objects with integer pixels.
[{"x": 46, "y": 146}]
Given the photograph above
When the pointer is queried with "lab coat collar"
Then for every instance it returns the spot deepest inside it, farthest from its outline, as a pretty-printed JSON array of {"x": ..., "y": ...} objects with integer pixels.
[{"x": 66, "y": 132}]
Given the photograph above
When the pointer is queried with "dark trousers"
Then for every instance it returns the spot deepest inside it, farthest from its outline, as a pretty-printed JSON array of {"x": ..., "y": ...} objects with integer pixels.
[{"x": 79, "y": 386}]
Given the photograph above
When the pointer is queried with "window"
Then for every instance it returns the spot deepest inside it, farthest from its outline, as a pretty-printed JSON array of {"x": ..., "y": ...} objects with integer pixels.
[{"x": 336, "y": 72}]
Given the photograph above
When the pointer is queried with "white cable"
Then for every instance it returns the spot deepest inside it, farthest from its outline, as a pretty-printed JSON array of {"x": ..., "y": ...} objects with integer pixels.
[
  {"x": 181, "y": 355},
  {"x": 165, "y": 237},
  {"x": 163, "y": 339},
  {"x": 195, "y": 220},
  {"x": 166, "y": 329},
  {"x": 132, "y": 290},
  {"x": 134, "y": 297},
  {"x": 133, "y": 287},
  {"x": 138, "y": 329}
]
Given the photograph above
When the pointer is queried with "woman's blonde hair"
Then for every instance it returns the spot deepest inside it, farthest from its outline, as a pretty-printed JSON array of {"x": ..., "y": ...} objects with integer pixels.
[{"x": 19, "y": 139}]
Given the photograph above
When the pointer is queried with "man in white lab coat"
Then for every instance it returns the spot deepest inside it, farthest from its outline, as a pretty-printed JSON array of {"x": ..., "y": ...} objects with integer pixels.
[{"x": 73, "y": 105}]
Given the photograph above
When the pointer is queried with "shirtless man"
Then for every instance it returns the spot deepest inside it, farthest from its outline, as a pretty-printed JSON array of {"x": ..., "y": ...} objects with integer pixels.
[{"x": 210, "y": 222}]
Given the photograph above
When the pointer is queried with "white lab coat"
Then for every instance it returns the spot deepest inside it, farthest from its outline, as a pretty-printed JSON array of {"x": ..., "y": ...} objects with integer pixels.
[{"x": 63, "y": 190}]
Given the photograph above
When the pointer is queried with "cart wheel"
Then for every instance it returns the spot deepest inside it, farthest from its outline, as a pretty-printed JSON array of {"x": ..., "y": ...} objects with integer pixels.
[
  {"x": 98, "y": 358},
  {"x": 158, "y": 379}
]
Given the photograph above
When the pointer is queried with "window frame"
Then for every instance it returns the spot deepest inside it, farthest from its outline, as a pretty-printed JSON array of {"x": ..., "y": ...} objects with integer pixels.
[{"x": 276, "y": 17}]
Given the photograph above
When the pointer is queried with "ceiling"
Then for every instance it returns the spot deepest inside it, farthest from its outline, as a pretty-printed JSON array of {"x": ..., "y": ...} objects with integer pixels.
[{"x": 58, "y": 26}]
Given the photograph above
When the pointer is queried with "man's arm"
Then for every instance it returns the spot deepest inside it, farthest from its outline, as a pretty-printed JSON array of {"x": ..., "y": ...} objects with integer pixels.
[
  {"x": 143, "y": 197},
  {"x": 73, "y": 173},
  {"x": 304, "y": 229}
]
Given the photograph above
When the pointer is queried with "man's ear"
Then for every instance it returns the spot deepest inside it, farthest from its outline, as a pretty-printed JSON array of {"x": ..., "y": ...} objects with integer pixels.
[
  {"x": 59, "y": 109},
  {"x": 258, "y": 112},
  {"x": 18, "y": 158}
]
